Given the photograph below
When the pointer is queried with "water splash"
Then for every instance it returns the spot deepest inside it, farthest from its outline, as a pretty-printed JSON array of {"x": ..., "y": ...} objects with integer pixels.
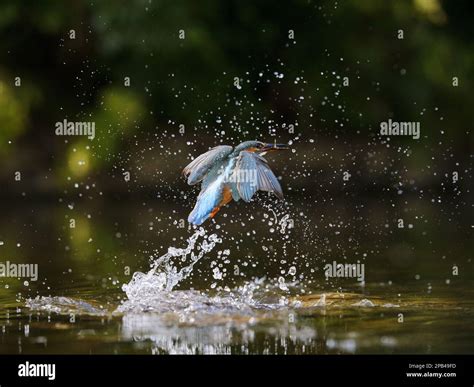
[
  {"x": 164, "y": 275},
  {"x": 189, "y": 321}
]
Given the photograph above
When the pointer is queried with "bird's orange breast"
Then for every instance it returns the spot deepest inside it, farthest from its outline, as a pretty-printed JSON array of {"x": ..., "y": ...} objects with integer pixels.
[{"x": 226, "y": 195}]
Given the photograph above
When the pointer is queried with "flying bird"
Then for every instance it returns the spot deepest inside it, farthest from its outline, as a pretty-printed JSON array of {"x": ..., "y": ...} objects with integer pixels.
[{"x": 227, "y": 174}]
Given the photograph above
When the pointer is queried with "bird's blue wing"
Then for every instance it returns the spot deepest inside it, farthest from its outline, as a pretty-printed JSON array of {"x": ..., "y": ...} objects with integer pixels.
[
  {"x": 253, "y": 174},
  {"x": 235, "y": 191},
  {"x": 197, "y": 169}
]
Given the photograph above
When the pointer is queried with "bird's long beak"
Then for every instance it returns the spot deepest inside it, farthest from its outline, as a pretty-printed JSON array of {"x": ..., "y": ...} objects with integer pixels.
[{"x": 274, "y": 147}]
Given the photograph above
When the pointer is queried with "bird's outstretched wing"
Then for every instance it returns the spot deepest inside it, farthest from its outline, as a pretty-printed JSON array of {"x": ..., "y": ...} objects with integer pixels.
[
  {"x": 253, "y": 174},
  {"x": 196, "y": 170}
]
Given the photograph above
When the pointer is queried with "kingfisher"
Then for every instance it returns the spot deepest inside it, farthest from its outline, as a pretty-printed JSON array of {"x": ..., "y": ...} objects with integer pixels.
[{"x": 227, "y": 173}]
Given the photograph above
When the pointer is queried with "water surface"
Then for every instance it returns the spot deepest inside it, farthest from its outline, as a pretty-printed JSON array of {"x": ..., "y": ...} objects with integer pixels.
[{"x": 127, "y": 279}]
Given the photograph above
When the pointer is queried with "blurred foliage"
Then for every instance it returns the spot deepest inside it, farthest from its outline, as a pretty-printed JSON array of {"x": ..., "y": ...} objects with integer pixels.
[{"x": 189, "y": 80}]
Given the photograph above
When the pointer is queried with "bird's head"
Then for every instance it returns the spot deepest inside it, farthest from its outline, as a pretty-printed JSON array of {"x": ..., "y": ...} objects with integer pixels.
[{"x": 260, "y": 147}]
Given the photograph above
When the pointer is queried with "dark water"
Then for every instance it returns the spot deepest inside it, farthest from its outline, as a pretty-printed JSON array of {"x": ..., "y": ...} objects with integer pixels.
[{"x": 260, "y": 289}]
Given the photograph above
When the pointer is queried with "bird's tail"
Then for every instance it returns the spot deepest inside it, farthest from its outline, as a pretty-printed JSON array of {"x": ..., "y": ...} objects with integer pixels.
[
  {"x": 205, "y": 204},
  {"x": 197, "y": 218}
]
